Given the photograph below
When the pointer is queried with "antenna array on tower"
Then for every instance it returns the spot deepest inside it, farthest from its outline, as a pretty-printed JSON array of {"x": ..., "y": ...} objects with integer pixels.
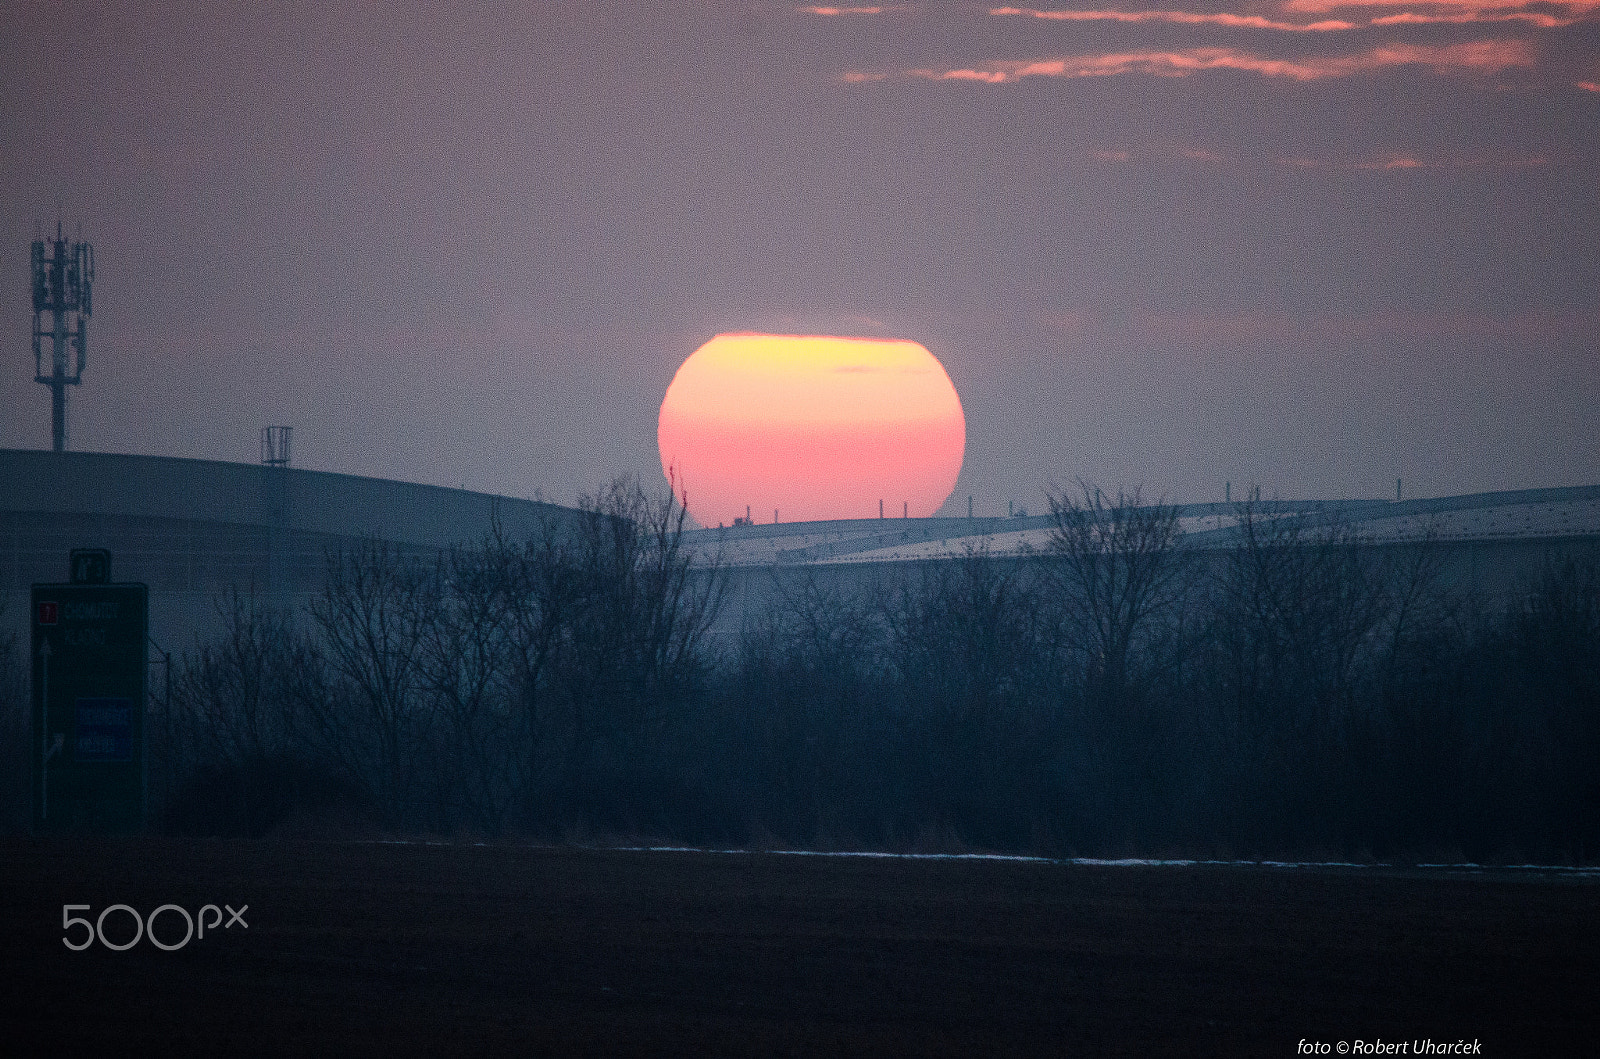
[{"x": 63, "y": 283}]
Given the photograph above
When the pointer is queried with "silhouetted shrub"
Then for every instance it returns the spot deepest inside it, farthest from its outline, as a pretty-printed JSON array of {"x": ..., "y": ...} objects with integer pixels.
[
  {"x": 1306, "y": 692},
  {"x": 253, "y": 797}
]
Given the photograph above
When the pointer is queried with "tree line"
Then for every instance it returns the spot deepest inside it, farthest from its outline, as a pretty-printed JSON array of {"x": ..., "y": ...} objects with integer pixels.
[{"x": 1302, "y": 692}]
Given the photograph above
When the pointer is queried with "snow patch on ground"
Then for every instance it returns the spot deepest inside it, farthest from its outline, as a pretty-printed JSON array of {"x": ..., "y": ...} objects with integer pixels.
[{"x": 1583, "y": 871}]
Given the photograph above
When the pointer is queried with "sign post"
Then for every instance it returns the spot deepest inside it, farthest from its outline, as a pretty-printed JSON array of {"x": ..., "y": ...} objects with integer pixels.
[{"x": 89, "y": 672}]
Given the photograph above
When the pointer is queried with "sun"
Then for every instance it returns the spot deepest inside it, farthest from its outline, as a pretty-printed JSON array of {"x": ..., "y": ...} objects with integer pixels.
[{"x": 805, "y": 427}]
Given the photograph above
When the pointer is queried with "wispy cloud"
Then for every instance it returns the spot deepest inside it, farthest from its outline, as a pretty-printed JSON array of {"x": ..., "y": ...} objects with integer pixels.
[
  {"x": 831, "y": 11},
  {"x": 1412, "y": 18},
  {"x": 1546, "y": 15},
  {"x": 1396, "y": 161},
  {"x": 1189, "y": 18},
  {"x": 1477, "y": 57},
  {"x": 1356, "y": 15},
  {"x": 1152, "y": 153},
  {"x": 1574, "y": 7},
  {"x": 1403, "y": 161}
]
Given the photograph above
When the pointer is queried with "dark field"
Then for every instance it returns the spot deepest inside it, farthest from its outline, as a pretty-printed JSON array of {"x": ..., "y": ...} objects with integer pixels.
[{"x": 367, "y": 948}]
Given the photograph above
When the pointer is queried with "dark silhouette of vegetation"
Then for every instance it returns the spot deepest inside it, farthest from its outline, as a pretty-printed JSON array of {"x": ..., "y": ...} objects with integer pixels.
[
  {"x": 1302, "y": 692},
  {"x": 15, "y": 726},
  {"x": 1117, "y": 581}
]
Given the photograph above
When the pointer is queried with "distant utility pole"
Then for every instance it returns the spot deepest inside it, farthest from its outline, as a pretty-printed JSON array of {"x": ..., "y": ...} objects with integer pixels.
[{"x": 62, "y": 285}]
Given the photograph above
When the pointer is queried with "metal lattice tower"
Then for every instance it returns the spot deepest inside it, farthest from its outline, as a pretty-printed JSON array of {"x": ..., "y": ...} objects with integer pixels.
[{"x": 63, "y": 277}]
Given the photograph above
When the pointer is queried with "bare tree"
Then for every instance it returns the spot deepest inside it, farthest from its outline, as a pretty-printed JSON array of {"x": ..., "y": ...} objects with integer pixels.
[
  {"x": 966, "y": 637},
  {"x": 965, "y": 644},
  {"x": 234, "y": 748},
  {"x": 809, "y": 699},
  {"x": 636, "y": 643},
  {"x": 1556, "y": 635},
  {"x": 362, "y": 691},
  {"x": 537, "y": 588},
  {"x": 1314, "y": 600},
  {"x": 231, "y": 693},
  {"x": 1118, "y": 570},
  {"x": 1313, "y": 658},
  {"x": 465, "y": 667}
]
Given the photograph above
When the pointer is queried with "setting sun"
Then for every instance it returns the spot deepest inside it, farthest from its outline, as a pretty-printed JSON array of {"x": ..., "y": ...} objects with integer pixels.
[{"x": 812, "y": 426}]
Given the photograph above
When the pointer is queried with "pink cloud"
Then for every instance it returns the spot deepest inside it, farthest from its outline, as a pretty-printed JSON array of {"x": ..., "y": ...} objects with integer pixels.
[
  {"x": 1182, "y": 17},
  {"x": 993, "y": 77},
  {"x": 851, "y": 10},
  {"x": 1455, "y": 12},
  {"x": 1589, "y": 86},
  {"x": 1409, "y": 18},
  {"x": 1324, "y": 6},
  {"x": 1425, "y": 12},
  {"x": 1404, "y": 161},
  {"x": 1478, "y": 57}
]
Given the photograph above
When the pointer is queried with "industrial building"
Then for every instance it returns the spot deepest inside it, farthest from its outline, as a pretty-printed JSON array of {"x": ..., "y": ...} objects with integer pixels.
[
  {"x": 191, "y": 529},
  {"x": 1487, "y": 545}
]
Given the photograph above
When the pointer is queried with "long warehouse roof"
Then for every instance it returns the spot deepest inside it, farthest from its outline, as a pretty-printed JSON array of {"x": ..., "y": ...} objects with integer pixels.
[
  {"x": 112, "y": 484},
  {"x": 1517, "y": 514}
]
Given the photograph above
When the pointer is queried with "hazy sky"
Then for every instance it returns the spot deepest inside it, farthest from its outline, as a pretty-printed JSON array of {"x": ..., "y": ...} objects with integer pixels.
[{"x": 1305, "y": 244}]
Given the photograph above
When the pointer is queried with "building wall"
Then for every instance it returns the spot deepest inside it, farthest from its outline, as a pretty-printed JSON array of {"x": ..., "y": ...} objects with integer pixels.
[
  {"x": 248, "y": 494},
  {"x": 1481, "y": 574},
  {"x": 190, "y": 529}
]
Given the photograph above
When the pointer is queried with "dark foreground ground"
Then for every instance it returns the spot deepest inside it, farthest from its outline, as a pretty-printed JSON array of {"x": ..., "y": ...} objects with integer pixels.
[{"x": 367, "y": 948}]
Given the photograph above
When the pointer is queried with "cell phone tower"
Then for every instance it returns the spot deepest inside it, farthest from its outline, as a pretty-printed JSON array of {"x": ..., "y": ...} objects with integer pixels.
[{"x": 62, "y": 282}]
